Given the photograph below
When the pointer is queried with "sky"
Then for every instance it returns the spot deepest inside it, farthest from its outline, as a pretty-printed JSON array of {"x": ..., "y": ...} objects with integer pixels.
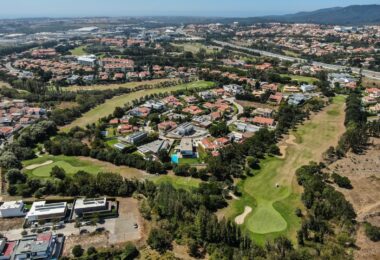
[{"x": 221, "y": 8}]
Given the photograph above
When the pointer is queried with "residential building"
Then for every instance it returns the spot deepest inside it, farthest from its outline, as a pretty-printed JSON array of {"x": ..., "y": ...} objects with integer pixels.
[
  {"x": 263, "y": 121},
  {"x": 11, "y": 209},
  {"x": 185, "y": 129},
  {"x": 264, "y": 112},
  {"x": 85, "y": 205},
  {"x": 154, "y": 147},
  {"x": 308, "y": 88},
  {"x": 87, "y": 60},
  {"x": 186, "y": 147},
  {"x": 233, "y": 89},
  {"x": 41, "y": 210},
  {"x": 39, "y": 246},
  {"x": 136, "y": 137}
]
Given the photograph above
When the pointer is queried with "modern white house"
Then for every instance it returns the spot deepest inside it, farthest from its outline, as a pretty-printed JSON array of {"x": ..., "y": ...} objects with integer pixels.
[
  {"x": 40, "y": 210},
  {"x": 308, "y": 88},
  {"x": 186, "y": 147},
  {"x": 87, "y": 60},
  {"x": 11, "y": 209},
  {"x": 233, "y": 89},
  {"x": 84, "y": 205}
]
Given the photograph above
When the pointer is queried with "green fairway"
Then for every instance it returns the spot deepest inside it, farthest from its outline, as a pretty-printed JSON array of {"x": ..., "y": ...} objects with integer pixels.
[
  {"x": 130, "y": 85},
  {"x": 42, "y": 166},
  {"x": 79, "y": 51},
  {"x": 274, "y": 207},
  {"x": 109, "y": 106},
  {"x": 309, "y": 80},
  {"x": 186, "y": 183}
]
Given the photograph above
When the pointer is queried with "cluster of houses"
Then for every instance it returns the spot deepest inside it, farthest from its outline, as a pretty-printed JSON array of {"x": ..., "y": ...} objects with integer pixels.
[
  {"x": 16, "y": 114},
  {"x": 305, "y": 39},
  {"x": 45, "y": 245},
  {"x": 81, "y": 69},
  {"x": 372, "y": 101}
]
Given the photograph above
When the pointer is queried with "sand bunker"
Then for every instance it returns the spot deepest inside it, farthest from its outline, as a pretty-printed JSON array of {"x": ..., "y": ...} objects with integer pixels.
[
  {"x": 240, "y": 219},
  {"x": 34, "y": 166},
  {"x": 289, "y": 141}
]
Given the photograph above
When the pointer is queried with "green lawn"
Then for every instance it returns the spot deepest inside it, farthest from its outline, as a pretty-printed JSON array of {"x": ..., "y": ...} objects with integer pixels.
[
  {"x": 79, "y": 51},
  {"x": 186, "y": 183},
  {"x": 309, "y": 80},
  {"x": 70, "y": 164},
  {"x": 74, "y": 164},
  {"x": 189, "y": 161},
  {"x": 273, "y": 208},
  {"x": 130, "y": 85},
  {"x": 109, "y": 106}
]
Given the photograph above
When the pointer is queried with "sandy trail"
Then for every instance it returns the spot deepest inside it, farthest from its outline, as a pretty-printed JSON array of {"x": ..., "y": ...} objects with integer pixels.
[
  {"x": 34, "y": 166},
  {"x": 240, "y": 219}
]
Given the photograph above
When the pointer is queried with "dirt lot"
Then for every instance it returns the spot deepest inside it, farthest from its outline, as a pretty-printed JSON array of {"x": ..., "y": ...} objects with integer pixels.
[
  {"x": 255, "y": 104},
  {"x": 11, "y": 223},
  {"x": 118, "y": 230},
  {"x": 363, "y": 171}
]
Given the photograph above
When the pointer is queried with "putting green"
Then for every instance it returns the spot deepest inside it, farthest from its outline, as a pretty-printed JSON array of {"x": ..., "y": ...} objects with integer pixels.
[{"x": 265, "y": 219}]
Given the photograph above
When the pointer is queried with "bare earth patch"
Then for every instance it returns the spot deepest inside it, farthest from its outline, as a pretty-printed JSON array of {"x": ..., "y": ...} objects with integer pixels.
[
  {"x": 240, "y": 219},
  {"x": 35, "y": 166},
  {"x": 364, "y": 174},
  {"x": 7, "y": 224}
]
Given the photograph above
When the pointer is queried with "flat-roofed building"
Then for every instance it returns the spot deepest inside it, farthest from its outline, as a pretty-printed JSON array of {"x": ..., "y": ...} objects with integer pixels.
[
  {"x": 85, "y": 205},
  {"x": 87, "y": 60},
  {"x": 40, "y": 210},
  {"x": 136, "y": 137},
  {"x": 11, "y": 209},
  {"x": 40, "y": 246},
  {"x": 186, "y": 147}
]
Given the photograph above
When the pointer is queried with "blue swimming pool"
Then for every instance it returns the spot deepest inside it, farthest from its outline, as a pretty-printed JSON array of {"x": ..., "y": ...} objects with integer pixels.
[{"x": 175, "y": 158}]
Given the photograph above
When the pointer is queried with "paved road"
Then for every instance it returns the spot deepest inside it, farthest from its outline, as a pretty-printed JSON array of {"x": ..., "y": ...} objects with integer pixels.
[
  {"x": 240, "y": 110},
  {"x": 367, "y": 73}
]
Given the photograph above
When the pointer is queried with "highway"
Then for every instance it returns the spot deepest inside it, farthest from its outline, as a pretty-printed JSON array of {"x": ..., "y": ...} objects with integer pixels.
[{"x": 367, "y": 73}]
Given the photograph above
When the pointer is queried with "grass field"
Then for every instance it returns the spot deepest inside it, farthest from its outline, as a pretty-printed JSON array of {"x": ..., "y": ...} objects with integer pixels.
[
  {"x": 309, "y": 80},
  {"x": 116, "y": 86},
  {"x": 195, "y": 47},
  {"x": 186, "y": 183},
  {"x": 109, "y": 106},
  {"x": 79, "y": 51},
  {"x": 74, "y": 164},
  {"x": 4, "y": 84},
  {"x": 273, "y": 208}
]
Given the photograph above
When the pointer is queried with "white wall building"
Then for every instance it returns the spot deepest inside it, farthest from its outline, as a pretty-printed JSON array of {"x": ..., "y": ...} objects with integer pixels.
[
  {"x": 40, "y": 210},
  {"x": 11, "y": 209}
]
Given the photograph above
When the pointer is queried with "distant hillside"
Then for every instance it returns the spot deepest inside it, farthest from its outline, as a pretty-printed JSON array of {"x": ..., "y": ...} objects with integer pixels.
[{"x": 350, "y": 15}]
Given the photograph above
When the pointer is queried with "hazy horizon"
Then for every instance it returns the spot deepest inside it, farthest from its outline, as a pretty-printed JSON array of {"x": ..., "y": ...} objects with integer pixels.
[{"x": 119, "y": 8}]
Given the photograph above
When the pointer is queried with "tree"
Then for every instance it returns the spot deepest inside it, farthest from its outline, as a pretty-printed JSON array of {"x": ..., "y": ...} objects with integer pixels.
[
  {"x": 118, "y": 112},
  {"x": 77, "y": 251},
  {"x": 15, "y": 176},
  {"x": 372, "y": 232},
  {"x": 130, "y": 252},
  {"x": 58, "y": 172},
  {"x": 9, "y": 161},
  {"x": 91, "y": 250},
  {"x": 160, "y": 240},
  {"x": 163, "y": 155},
  {"x": 219, "y": 129}
]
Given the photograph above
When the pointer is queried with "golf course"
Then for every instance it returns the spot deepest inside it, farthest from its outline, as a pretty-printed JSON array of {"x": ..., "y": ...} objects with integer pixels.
[
  {"x": 109, "y": 106},
  {"x": 41, "y": 167},
  {"x": 273, "y": 193}
]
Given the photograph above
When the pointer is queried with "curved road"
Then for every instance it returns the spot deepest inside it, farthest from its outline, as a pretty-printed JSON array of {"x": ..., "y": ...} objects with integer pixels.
[{"x": 367, "y": 73}]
